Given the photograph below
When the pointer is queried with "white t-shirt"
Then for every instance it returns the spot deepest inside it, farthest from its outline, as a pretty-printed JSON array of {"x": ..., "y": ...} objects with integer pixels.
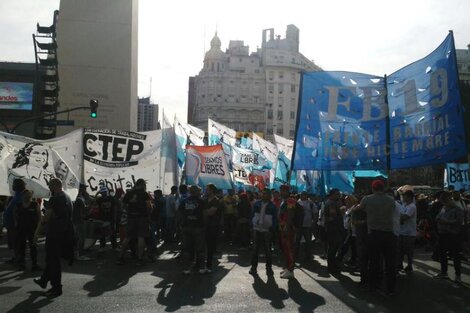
[{"x": 408, "y": 228}]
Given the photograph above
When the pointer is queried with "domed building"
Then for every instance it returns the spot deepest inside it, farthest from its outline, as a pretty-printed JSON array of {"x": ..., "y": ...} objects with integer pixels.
[{"x": 250, "y": 92}]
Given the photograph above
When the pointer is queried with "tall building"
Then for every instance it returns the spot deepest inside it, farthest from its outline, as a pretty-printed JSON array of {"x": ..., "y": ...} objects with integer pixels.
[
  {"x": 147, "y": 115},
  {"x": 463, "y": 64},
  {"x": 97, "y": 57},
  {"x": 250, "y": 92}
]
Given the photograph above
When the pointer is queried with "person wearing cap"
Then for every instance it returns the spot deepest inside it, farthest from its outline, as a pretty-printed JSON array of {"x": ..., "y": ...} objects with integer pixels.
[
  {"x": 139, "y": 206},
  {"x": 192, "y": 223},
  {"x": 58, "y": 222},
  {"x": 380, "y": 209}
]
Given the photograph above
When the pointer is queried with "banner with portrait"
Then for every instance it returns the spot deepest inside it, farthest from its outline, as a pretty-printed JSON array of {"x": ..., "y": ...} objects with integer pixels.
[
  {"x": 36, "y": 162},
  {"x": 116, "y": 159}
]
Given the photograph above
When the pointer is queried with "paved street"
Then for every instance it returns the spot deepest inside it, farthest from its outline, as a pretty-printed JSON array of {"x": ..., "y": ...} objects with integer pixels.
[{"x": 101, "y": 286}]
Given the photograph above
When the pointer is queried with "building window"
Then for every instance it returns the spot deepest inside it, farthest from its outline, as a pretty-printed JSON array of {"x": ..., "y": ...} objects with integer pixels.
[
  {"x": 280, "y": 88},
  {"x": 291, "y": 133},
  {"x": 270, "y": 114},
  {"x": 281, "y": 75},
  {"x": 293, "y": 74},
  {"x": 279, "y": 115},
  {"x": 271, "y": 75},
  {"x": 292, "y": 115},
  {"x": 269, "y": 131},
  {"x": 271, "y": 88},
  {"x": 292, "y": 88},
  {"x": 280, "y": 131}
]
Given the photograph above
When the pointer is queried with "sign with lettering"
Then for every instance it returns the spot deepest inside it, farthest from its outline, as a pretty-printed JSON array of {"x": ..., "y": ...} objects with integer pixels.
[
  {"x": 207, "y": 164},
  {"x": 354, "y": 121},
  {"x": 457, "y": 175},
  {"x": 117, "y": 158}
]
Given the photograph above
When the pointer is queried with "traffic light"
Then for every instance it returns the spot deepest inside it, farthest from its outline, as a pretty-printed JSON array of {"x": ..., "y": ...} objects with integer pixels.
[{"x": 93, "y": 108}]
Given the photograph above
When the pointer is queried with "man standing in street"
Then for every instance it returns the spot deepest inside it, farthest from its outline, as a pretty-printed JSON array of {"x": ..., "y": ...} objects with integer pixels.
[
  {"x": 287, "y": 230},
  {"x": 334, "y": 228},
  {"x": 407, "y": 230},
  {"x": 264, "y": 220},
  {"x": 139, "y": 206},
  {"x": 58, "y": 219},
  {"x": 380, "y": 209}
]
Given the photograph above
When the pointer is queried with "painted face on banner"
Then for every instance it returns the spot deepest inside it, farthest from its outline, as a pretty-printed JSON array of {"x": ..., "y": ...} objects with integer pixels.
[{"x": 38, "y": 156}]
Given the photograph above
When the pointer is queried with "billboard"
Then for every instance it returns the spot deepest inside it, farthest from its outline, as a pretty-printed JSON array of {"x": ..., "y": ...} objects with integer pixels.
[{"x": 16, "y": 96}]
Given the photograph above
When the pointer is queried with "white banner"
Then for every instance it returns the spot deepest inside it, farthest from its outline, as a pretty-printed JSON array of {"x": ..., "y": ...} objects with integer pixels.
[
  {"x": 37, "y": 162},
  {"x": 117, "y": 159},
  {"x": 220, "y": 133},
  {"x": 241, "y": 174},
  {"x": 284, "y": 145},
  {"x": 207, "y": 164},
  {"x": 250, "y": 159},
  {"x": 269, "y": 150}
]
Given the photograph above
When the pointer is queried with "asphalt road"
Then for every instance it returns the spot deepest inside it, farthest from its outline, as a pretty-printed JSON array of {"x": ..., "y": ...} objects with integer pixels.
[{"x": 99, "y": 285}]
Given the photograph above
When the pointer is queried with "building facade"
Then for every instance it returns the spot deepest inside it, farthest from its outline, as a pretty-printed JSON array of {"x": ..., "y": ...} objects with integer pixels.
[
  {"x": 255, "y": 92},
  {"x": 97, "y": 57},
  {"x": 147, "y": 115},
  {"x": 463, "y": 64}
]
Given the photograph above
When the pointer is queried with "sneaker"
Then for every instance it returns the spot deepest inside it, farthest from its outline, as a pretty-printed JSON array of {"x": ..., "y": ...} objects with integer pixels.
[
  {"x": 253, "y": 271},
  {"x": 53, "y": 292},
  {"x": 282, "y": 272},
  {"x": 287, "y": 274},
  {"x": 441, "y": 276},
  {"x": 458, "y": 279},
  {"x": 40, "y": 283},
  {"x": 269, "y": 272}
]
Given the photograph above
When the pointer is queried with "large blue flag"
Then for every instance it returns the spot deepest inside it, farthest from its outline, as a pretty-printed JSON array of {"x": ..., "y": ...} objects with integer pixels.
[
  {"x": 346, "y": 122},
  {"x": 426, "y": 124},
  {"x": 342, "y": 122}
]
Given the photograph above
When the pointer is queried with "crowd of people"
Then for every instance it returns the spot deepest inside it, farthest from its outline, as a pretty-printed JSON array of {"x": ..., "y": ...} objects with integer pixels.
[{"x": 377, "y": 232}]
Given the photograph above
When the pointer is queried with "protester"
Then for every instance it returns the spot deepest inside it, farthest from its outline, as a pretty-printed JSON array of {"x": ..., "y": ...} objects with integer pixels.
[
  {"x": 305, "y": 232},
  {"x": 58, "y": 223},
  {"x": 334, "y": 228},
  {"x": 28, "y": 214},
  {"x": 407, "y": 237},
  {"x": 380, "y": 209},
  {"x": 230, "y": 202},
  {"x": 81, "y": 207},
  {"x": 170, "y": 206},
  {"x": 107, "y": 214},
  {"x": 244, "y": 211},
  {"x": 449, "y": 223},
  {"x": 192, "y": 222},
  {"x": 18, "y": 186},
  {"x": 287, "y": 230},
  {"x": 213, "y": 215},
  {"x": 264, "y": 220},
  {"x": 139, "y": 206},
  {"x": 359, "y": 227},
  {"x": 350, "y": 239},
  {"x": 155, "y": 215}
]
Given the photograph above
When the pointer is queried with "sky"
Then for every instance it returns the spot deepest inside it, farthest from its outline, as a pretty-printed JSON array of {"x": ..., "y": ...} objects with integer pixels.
[{"x": 369, "y": 36}]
